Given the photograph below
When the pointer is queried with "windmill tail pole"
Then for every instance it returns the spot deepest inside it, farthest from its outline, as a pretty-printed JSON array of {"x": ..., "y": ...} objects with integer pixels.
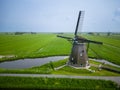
[
  {"x": 95, "y": 42},
  {"x": 88, "y": 41},
  {"x": 65, "y": 37}
]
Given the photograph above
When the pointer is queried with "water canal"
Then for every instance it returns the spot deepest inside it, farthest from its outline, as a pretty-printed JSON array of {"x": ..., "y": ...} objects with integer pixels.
[{"x": 28, "y": 63}]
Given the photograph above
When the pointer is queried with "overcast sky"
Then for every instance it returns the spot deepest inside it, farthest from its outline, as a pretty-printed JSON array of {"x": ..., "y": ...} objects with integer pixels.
[{"x": 59, "y": 15}]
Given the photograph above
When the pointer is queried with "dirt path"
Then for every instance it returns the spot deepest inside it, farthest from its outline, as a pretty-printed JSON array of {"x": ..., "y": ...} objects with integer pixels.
[{"x": 112, "y": 78}]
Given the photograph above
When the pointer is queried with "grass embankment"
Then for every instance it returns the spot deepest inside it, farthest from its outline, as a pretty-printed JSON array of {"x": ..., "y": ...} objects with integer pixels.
[
  {"x": 67, "y": 70},
  {"x": 106, "y": 65},
  {"x": 55, "y": 83}
]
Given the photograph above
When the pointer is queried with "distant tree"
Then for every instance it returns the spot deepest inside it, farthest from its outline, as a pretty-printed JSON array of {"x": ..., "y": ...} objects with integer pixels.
[
  {"x": 33, "y": 32},
  {"x": 19, "y": 33},
  {"x": 98, "y": 34},
  {"x": 61, "y": 33},
  {"x": 109, "y": 33},
  {"x": 6, "y": 33},
  {"x": 91, "y": 33}
]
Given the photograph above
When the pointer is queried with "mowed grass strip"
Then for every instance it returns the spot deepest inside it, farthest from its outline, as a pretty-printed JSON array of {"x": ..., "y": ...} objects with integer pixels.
[{"x": 55, "y": 83}]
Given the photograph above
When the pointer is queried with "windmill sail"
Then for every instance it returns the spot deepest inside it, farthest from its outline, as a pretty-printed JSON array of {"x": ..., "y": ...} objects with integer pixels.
[{"x": 79, "y": 23}]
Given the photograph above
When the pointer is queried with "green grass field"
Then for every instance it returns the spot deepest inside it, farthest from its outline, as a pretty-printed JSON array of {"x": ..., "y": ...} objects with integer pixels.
[
  {"x": 47, "y": 44},
  {"x": 30, "y": 46},
  {"x": 55, "y": 83},
  {"x": 110, "y": 50}
]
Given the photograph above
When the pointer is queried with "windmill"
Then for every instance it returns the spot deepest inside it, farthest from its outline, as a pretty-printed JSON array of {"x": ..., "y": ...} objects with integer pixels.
[{"x": 78, "y": 57}]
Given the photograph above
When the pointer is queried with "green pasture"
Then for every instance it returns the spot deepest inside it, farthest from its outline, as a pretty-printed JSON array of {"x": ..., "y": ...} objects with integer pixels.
[
  {"x": 55, "y": 83},
  {"x": 110, "y": 50},
  {"x": 47, "y": 44},
  {"x": 31, "y": 46}
]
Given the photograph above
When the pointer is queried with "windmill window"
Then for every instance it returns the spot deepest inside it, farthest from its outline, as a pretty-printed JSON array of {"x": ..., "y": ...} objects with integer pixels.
[
  {"x": 86, "y": 61},
  {"x": 72, "y": 59},
  {"x": 82, "y": 51},
  {"x": 81, "y": 54},
  {"x": 81, "y": 65}
]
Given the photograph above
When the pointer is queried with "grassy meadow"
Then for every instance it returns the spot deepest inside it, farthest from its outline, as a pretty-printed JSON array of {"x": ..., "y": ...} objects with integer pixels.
[
  {"x": 55, "y": 83},
  {"x": 33, "y": 45},
  {"x": 13, "y": 47},
  {"x": 110, "y": 50},
  {"x": 47, "y": 44}
]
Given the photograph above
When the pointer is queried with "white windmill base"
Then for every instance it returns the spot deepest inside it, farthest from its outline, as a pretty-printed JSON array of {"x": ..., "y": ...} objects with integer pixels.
[
  {"x": 87, "y": 67},
  {"x": 78, "y": 67}
]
